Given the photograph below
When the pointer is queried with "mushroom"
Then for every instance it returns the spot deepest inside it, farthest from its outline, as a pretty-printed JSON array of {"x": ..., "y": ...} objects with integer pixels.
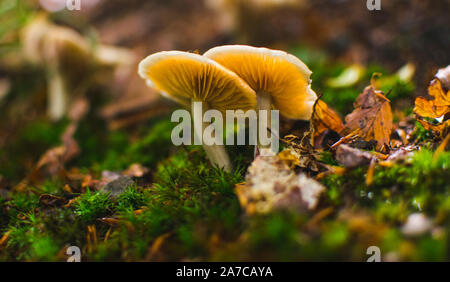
[
  {"x": 187, "y": 78},
  {"x": 70, "y": 60},
  {"x": 279, "y": 79}
]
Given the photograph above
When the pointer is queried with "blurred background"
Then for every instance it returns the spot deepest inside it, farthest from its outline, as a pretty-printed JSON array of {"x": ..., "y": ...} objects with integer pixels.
[{"x": 91, "y": 54}]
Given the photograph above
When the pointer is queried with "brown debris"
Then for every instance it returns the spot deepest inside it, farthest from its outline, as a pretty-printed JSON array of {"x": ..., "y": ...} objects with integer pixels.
[
  {"x": 271, "y": 185},
  {"x": 351, "y": 157},
  {"x": 51, "y": 200},
  {"x": 109, "y": 220},
  {"x": 136, "y": 170},
  {"x": 300, "y": 152}
]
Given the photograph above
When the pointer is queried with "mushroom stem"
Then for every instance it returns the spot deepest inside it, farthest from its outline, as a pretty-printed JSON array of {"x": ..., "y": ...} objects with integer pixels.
[
  {"x": 215, "y": 153},
  {"x": 57, "y": 96},
  {"x": 264, "y": 104}
]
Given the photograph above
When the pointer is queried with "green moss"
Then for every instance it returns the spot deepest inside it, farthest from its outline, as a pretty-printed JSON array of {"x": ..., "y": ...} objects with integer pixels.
[
  {"x": 430, "y": 249},
  {"x": 21, "y": 204},
  {"x": 4, "y": 218},
  {"x": 132, "y": 198},
  {"x": 391, "y": 241},
  {"x": 14, "y": 16},
  {"x": 405, "y": 188},
  {"x": 28, "y": 145},
  {"x": 327, "y": 158},
  {"x": 194, "y": 207},
  {"x": 190, "y": 200},
  {"x": 43, "y": 134},
  {"x": 421, "y": 133},
  {"x": 336, "y": 236},
  {"x": 274, "y": 235},
  {"x": 113, "y": 151},
  {"x": 93, "y": 205},
  {"x": 53, "y": 187},
  {"x": 43, "y": 248}
]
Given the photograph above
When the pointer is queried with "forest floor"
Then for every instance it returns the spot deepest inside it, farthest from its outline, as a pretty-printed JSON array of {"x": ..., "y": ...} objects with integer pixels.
[{"x": 128, "y": 194}]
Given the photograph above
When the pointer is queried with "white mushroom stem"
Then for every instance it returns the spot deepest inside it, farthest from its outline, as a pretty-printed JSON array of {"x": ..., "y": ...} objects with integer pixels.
[
  {"x": 264, "y": 104},
  {"x": 57, "y": 95},
  {"x": 216, "y": 153}
]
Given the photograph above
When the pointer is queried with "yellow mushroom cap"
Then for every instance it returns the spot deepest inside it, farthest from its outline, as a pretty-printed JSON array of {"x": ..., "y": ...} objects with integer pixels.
[
  {"x": 186, "y": 76},
  {"x": 274, "y": 72}
]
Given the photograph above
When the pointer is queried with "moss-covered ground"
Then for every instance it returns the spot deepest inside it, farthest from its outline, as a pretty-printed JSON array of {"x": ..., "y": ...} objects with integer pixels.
[{"x": 185, "y": 209}]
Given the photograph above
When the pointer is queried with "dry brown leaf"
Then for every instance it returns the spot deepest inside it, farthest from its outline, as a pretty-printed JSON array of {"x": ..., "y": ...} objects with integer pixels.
[
  {"x": 325, "y": 118},
  {"x": 427, "y": 108},
  {"x": 437, "y": 107},
  {"x": 441, "y": 97},
  {"x": 372, "y": 116}
]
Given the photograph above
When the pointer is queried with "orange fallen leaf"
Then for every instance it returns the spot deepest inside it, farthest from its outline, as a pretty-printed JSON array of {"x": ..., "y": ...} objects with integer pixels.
[
  {"x": 435, "y": 108},
  {"x": 428, "y": 108},
  {"x": 325, "y": 118},
  {"x": 372, "y": 116},
  {"x": 441, "y": 97}
]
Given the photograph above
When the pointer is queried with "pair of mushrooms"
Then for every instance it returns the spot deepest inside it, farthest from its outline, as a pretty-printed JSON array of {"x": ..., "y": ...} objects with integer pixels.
[{"x": 233, "y": 77}]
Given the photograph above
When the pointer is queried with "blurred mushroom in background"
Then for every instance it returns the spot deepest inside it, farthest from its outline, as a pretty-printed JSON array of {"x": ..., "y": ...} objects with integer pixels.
[{"x": 72, "y": 63}]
